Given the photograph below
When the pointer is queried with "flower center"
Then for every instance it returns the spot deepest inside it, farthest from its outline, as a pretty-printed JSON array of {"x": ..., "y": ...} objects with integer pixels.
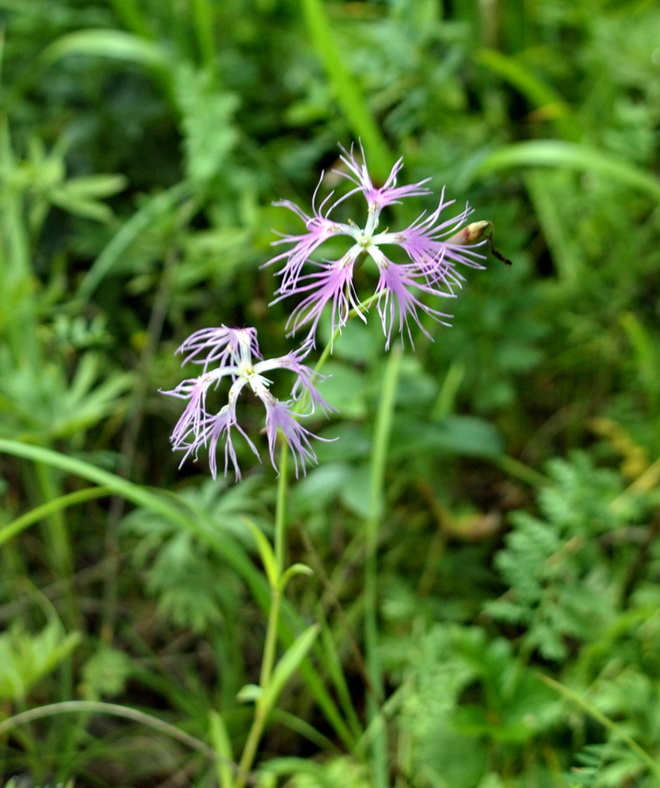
[{"x": 245, "y": 369}]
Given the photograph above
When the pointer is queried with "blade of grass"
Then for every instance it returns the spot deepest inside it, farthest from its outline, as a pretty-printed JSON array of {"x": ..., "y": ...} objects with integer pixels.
[
  {"x": 166, "y": 504},
  {"x": 346, "y": 88},
  {"x": 18, "y": 525},
  {"x": 132, "y": 16},
  {"x": 652, "y": 765},
  {"x": 574, "y": 156},
  {"x": 645, "y": 355},
  {"x": 202, "y": 12},
  {"x": 150, "y": 211},
  {"x": 117, "y": 45},
  {"x": 543, "y": 187},
  {"x": 222, "y": 746},
  {"x": 332, "y": 663},
  {"x": 108, "y": 43},
  {"x": 539, "y": 94},
  {"x": 114, "y": 709},
  {"x": 176, "y": 510}
]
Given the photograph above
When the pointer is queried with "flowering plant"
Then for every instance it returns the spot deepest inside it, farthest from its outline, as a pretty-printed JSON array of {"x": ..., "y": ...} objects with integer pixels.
[
  {"x": 429, "y": 252},
  {"x": 433, "y": 247},
  {"x": 235, "y": 350}
]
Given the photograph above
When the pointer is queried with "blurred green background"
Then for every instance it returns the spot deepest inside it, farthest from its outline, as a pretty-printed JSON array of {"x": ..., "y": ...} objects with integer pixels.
[{"x": 142, "y": 144}]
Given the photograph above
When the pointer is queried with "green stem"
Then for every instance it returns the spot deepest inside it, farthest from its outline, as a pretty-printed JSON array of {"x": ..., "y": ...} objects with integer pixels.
[
  {"x": 202, "y": 13},
  {"x": 272, "y": 627},
  {"x": 384, "y": 419},
  {"x": 114, "y": 709},
  {"x": 280, "y": 509},
  {"x": 651, "y": 764},
  {"x": 280, "y": 559},
  {"x": 45, "y": 510},
  {"x": 251, "y": 744},
  {"x": 327, "y": 351},
  {"x": 270, "y": 646}
]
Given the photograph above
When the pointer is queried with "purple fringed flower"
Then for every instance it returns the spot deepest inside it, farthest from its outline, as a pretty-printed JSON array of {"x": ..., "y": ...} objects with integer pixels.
[
  {"x": 234, "y": 352},
  {"x": 433, "y": 249}
]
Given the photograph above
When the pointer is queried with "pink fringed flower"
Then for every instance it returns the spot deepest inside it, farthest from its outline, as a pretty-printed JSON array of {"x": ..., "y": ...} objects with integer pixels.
[
  {"x": 233, "y": 354},
  {"x": 431, "y": 246}
]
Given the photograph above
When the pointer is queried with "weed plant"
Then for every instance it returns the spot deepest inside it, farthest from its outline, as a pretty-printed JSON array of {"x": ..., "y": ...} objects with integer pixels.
[{"x": 462, "y": 589}]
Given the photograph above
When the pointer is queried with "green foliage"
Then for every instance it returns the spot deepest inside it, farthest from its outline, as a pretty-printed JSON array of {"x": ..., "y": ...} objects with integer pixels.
[
  {"x": 207, "y": 115},
  {"x": 307, "y": 774},
  {"x": 193, "y": 587},
  {"x": 467, "y": 700},
  {"x": 105, "y": 674},
  {"x": 142, "y": 143},
  {"x": 25, "y": 658},
  {"x": 564, "y": 572}
]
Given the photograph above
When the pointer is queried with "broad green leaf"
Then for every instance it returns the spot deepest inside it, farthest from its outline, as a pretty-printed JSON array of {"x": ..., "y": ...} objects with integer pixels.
[{"x": 462, "y": 435}]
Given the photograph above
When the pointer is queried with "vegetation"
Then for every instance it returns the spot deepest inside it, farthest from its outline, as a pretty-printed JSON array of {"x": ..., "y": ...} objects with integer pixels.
[{"x": 463, "y": 592}]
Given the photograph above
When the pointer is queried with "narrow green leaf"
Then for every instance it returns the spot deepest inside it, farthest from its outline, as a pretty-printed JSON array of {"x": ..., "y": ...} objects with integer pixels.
[
  {"x": 327, "y": 704},
  {"x": 107, "y": 43},
  {"x": 176, "y": 510},
  {"x": 133, "y": 17},
  {"x": 222, "y": 745},
  {"x": 95, "y": 186},
  {"x": 40, "y": 513},
  {"x": 249, "y": 693},
  {"x": 266, "y": 554},
  {"x": 292, "y": 571},
  {"x": 88, "y": 209},
  {"x": 346, "y": 87},
  {"x": 539, "y": 94},
  {"x": 288, "y": 663},
  {"x": 543, "y": 187},
  {"x": 583, "y": 158},
  {"x": 645, "y": 354},
  {"x": 100, "y": 707},
  {"x": 333, "y": 664},
  {"x": 170, "y": 506},
  {"x": 112, "y": 253}
]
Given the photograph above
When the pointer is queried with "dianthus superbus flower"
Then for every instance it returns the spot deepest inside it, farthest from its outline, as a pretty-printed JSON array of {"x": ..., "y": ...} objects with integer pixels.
[
  {"x": 232, "y": 354},
  {"x": 431, "y": 247}
]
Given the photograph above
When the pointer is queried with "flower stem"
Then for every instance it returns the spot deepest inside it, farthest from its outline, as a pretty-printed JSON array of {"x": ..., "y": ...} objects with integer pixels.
[
  {"x": 270, "y": 646},
  {"x": 327, "y": 350},
  {"x": 377, "y": 499},
  {"x": 251, "y": 744},
  {"x": 280, "y": 558}
]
